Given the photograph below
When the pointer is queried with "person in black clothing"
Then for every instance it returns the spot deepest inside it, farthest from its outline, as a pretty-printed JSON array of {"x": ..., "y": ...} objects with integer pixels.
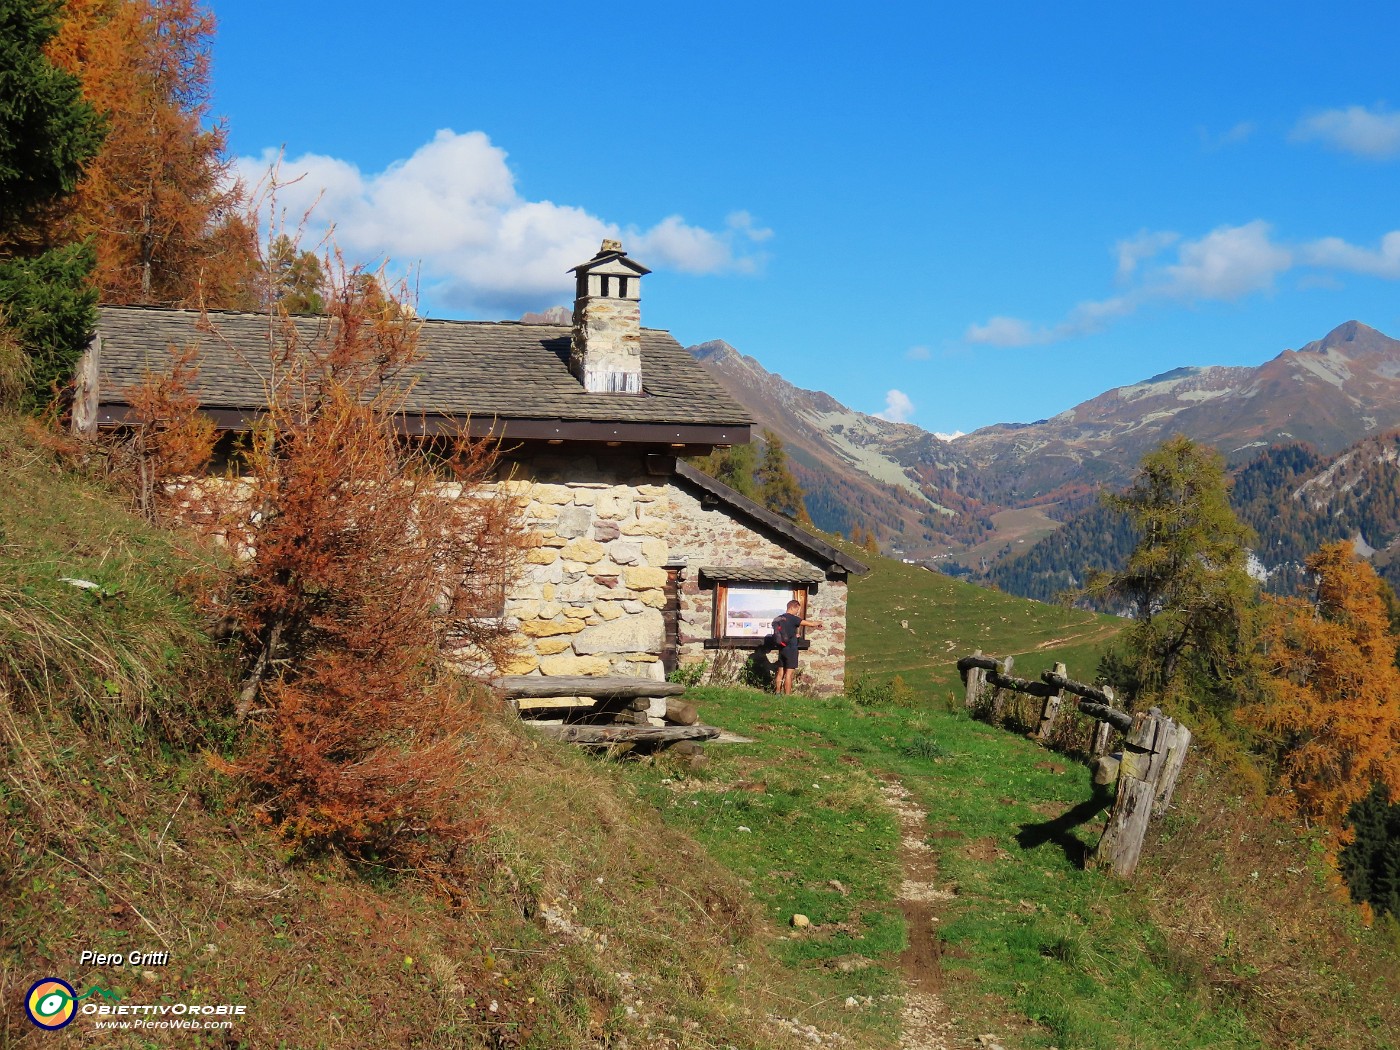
[{"x": 785, "y": 629}]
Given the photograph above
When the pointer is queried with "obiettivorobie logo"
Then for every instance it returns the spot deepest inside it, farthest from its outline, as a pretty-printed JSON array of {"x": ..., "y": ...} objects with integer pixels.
[{"x": 52, "y": 1003}]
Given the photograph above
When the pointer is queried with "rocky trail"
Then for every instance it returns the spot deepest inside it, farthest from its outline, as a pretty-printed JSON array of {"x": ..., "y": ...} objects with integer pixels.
[{"x": 927, "y": 1023}]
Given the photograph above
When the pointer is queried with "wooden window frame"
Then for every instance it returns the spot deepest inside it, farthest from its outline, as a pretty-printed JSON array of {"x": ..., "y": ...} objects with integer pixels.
[{"x": 720, "y": 610}]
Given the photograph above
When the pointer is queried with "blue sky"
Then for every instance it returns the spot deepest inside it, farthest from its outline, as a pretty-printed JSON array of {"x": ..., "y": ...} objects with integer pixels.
[{"x": 959, "y": 215}]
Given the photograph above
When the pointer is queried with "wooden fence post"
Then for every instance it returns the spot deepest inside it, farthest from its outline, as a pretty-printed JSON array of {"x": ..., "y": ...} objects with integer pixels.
[
  {"x": 975, "y": 679},
  {"x": 1152, "y": 756},
  {"x": 1051, "y": 708},
  {"x": 1103, "y": 732},
  {"x": 999, "y": 694},
  {"x": 1177, "y": 747}
]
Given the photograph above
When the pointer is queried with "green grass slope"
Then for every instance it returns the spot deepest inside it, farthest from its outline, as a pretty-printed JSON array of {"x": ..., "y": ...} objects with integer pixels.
[
  {"x": 590, "y": 922},
  {"x": 639, "y": 904},
  {"x": 1233, "y": 934},
  {"x": 905, "y": 620}
]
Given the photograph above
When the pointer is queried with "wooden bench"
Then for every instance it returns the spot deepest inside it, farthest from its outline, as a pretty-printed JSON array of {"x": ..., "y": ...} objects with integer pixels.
[
  {"x": 626, "y": 699},
  {"x": 611, "y": 687},
  {"x": 604, "y": 735}
]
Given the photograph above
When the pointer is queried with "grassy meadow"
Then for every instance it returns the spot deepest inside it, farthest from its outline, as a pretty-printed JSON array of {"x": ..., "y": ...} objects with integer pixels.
[
  {"x": 621, "y": 902},
  {"x": 905, "y": 620},
  {"x": 590, "y": 923},
  {"x": 1234, "y": 933}
]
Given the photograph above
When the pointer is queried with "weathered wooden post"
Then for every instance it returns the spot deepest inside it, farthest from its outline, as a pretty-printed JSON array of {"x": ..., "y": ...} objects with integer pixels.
[
  {"x": 1177, "y": 746},
  {"x": 1050, "y": 710},
  {"x": 974, "y": 679},
  {"x": 1100, "y": 705},
  {"x": 999, "y": 694},
  {"x": 1152, "y": 756},
  {"x": 1103, "y": 732}
]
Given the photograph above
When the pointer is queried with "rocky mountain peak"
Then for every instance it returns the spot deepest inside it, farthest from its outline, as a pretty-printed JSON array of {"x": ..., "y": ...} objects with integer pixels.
[
  {"x": 1355, "y": 340},
  {"x": 715, "y": 350},
  {"x": 1329, "y": 394}
]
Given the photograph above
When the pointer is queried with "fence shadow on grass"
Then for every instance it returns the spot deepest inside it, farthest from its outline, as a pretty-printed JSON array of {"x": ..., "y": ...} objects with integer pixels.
[{"x": 1061, "y": 830}]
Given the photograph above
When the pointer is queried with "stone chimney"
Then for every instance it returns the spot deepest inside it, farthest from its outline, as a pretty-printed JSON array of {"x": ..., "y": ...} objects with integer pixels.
[{"x": 606, "y": 354}]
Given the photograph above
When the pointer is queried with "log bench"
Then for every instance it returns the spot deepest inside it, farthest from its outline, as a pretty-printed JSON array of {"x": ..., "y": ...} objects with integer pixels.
[
  {"x": 605, "y": 735},
  {"x": 603, "y": 687},
  {"x": 625, "y": 700}
]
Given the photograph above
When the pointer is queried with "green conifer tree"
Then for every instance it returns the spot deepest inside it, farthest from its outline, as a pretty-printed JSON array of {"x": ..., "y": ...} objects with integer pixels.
[
  {"x": 47, "y": 133},
  {"x": 1371, "y": 862},
  {"x": 298, "y": 278},
  {"x": 734, "y": 466},
  {"x": 1186, "y": 585},
  {"x": 778, "y": 490}
]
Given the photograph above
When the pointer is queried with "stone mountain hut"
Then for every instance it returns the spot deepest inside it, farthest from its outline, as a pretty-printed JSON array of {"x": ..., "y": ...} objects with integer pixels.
[{"x": 642, "y": 562}]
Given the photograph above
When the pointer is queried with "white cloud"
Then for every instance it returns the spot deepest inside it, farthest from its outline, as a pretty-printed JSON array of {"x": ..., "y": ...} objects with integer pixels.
[
  {"x": 1226, "y": 264},
  {"x": 1335, "y": 253},
  {"x": 917, "y": 353},
  {"x": 1144, "y": 245},
  {"x": 898, "y": 407},
  {"x": 1371, "y": 133},
  {"x": 743, "y": 222},
  {"x": 1084, "y": 319},
  {"x": 452, "y": 210},
  {"x": 1006, "y": 331},
  {"x": 948, "y": 437}
]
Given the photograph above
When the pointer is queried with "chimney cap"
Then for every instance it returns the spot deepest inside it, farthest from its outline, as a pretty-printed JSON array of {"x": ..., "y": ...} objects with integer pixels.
[{"x": 610, "y": 252}]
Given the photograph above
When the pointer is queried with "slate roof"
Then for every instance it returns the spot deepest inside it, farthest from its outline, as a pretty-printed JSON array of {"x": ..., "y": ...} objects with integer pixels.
[
  {"x": 750, "y": 574},
  {"x": 482, "y": 369}
]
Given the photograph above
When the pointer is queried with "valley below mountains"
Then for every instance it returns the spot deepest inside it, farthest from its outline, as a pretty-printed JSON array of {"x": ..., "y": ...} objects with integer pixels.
[{"x": 1307, "y": 435}]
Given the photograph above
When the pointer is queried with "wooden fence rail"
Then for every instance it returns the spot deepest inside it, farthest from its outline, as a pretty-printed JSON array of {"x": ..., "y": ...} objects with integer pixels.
[{"x": 1154, "y": 748}]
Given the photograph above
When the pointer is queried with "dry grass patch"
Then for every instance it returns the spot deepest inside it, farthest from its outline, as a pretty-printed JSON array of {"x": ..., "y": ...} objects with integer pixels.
[{"x": 1252, "y": 914}]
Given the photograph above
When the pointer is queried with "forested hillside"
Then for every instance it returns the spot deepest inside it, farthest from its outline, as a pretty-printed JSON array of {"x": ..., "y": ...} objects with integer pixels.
[{"x": 1293, "y": 499}]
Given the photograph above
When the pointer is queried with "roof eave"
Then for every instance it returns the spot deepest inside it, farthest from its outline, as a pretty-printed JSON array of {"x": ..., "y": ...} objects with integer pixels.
[{"x": 431, "y": 424}]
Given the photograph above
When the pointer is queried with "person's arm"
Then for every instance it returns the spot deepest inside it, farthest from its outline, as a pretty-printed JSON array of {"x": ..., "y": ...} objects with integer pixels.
[{"x": 810, "y": 623}]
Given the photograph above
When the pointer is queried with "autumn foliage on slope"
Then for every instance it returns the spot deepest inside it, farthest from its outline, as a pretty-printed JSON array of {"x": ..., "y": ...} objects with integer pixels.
[
  {"x": 158, "y": 202},
  {"x": 1332, "y": 715},
  {"x": 167, "y": 440},
  {"x": 365, "y": 565}
]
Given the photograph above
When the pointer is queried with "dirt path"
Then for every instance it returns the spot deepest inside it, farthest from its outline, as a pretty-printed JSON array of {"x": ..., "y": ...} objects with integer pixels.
[{"x": 925, "y": 1024}]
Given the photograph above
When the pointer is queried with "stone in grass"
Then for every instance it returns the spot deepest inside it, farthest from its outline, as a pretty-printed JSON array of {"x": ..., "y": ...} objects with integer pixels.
[
  {"x": 848, "y": 963},
  {"x": 800, "y": 921}
]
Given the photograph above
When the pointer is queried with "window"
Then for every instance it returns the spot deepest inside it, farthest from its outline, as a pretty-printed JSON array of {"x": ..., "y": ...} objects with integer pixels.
[{"x": 744, "y": 612}]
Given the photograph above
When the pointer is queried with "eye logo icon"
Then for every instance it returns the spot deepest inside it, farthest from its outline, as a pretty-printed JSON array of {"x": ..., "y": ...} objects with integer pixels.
[{"x": 51, "y": 1003}]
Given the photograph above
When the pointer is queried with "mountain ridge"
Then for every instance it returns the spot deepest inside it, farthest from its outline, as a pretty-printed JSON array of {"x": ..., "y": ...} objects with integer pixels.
[{"x": 1327, "y": 394}]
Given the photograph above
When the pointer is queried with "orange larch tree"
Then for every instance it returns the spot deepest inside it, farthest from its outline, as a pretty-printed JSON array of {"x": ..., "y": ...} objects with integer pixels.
[
  {"x": 159, "y": 202},
  {"x": 369, "y": 576},
  {"x": 1331, "y": 719}
]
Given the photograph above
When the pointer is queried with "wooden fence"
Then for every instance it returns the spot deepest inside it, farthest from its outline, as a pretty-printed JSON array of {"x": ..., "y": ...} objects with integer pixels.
[{"x": 1153, "y": 750}]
